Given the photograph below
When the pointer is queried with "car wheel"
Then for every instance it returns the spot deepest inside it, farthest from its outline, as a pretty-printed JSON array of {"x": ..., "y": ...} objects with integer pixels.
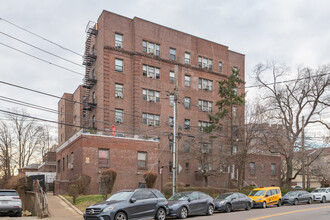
[
  {"x": 228, "y": 207},
  {"x": 18, "y": 214},
  {"x": 183, "y": 212},
  {"x": 323, "y": 199},
  {"x": 210, "y": 210},
  {"x": 248, "y": 206},
  {"x": 279, "y": 203},
  {"x": 120, "y": 216},
  {"x": 310, "y": 201},
  {"x": 264, "y": 205},
  {"x": 295, "y": 202},
  {"x": 161, "y": 214}
]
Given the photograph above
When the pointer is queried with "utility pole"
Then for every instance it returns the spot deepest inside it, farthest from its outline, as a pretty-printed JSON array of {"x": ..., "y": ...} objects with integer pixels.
[
  {"x": 175, "y": 131},
  {"x": 303, "y": 151}
]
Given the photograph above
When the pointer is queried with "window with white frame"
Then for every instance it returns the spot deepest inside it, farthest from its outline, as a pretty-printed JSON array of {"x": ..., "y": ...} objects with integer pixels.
[
  {"x": 187, "y": 124},
  {"x": 273, "y": 169},
  {"x": 187, "y": 102},
  {"x": 151, "y": 72},
  {"x": 104, "y": 158},
  {"x": 187, "y": 58},
  {"x": 204, "y": 105},
  {"x": 203, "y": 125},
  {"x": 205, "y": 62},
  {"x": 220, "y": 66},
  {"x": 252, "y": 168},
  {"x": 142, "y": 160},
  {"x": 234, "y": 111},
  {"x": 150, "y": 48},
  {"x": 119, "y": 115},
  {"x": 150, "y": 119},
  {"x": 205, "y": 148},
  {"x": 119, "y": 90},
  {"x": 150, "y": 95},
  {"x": 187, "y": 80},
  {"x": 234, "y": 150},
  {"x": 171, "y": 99},
  {"x": 118, "y": 40},
  {"x": 205, "y": 84},
  {"x": 119, "y": 65},
  {"x": 172, "y": 77},
  {"x": 172, "y": 54},
  {"x": 171, "y": 122}
]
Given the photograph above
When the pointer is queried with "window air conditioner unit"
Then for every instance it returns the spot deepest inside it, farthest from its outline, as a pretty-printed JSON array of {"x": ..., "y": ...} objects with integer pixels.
[
  {"x": 119, "y": 120},
  {"x": 151, "y": 123},
  {"x": 118, "y": 46},
  {"x": 151, "y": 52},
  {"x": 151, "y": 99},
  {"x": 119, "y": 95},
  {"x": 204, "y": 109},
  {"x": 206, "y": 88}
]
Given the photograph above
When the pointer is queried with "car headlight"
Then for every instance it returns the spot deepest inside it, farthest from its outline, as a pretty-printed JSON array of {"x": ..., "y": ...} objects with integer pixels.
[
  {"x": 222, "y": 202},
  {"x": 107, "y": 209}
]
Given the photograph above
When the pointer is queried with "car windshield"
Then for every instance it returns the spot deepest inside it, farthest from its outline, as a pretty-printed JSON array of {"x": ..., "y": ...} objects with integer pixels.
[
  {"x": 120, "y": 196},
  {"x": 318, "y": 190},
  {"x": 180, "y": 196},
  {"x": 8, "y": 193},
  {"x": 257, "y": 193},
  {"x": 223, "y": 196}
]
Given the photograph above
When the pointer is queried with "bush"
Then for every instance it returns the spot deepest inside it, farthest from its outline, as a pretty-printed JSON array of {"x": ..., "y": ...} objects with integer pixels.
[
  {"x": 15, "y": 182},
  {"x": 108, "y": 178},
  {"x": 82, "y": 181},
  {"x": 213, "y": 192},
  {"x": 73, "y": 192},
  {"x": 150, "y": 178},
  {"x": 246, "y": 190}
]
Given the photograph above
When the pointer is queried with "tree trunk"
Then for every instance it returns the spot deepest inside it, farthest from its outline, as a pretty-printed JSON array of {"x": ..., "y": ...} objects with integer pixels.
[
  {"x": 241, "y": 171},
  {"x": 206, "y": 181}
]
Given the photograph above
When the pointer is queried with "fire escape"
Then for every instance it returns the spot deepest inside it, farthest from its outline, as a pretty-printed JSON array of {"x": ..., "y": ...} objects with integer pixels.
[{"x": 89, "y": 101}]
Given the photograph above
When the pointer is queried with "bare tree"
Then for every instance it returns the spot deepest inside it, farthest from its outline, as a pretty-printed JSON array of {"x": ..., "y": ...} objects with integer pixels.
[
  {"x": 286, "y": 101},
  {"x": 5, "y": 150}
]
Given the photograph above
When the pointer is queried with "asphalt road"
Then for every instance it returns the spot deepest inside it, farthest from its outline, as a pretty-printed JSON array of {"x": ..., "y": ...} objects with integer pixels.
[{"x": 315, "y": 211}]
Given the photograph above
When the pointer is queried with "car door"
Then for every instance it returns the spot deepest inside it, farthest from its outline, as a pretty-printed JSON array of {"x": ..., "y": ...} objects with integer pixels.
[
  {"x": 242, "y": 200},
  {"x": 268, "y": 197},
  {"x": 203, "y": 200},
  {"x": 235, "y": 203},
  {"x": 136, "y": 208},
  {"x": 150, "y": 203},
  {"x": 194, "y": 203},
  {"x": 328, "y": 194}
]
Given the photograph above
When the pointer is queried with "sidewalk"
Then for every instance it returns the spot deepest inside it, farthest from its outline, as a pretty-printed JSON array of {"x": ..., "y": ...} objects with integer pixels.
[{"x": 59, "y": 210}]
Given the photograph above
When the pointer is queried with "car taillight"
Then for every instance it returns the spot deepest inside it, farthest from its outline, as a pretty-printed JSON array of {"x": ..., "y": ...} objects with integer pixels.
[
  {"x": 166, "y": 202},
  {"x": 15, "y": 197}
]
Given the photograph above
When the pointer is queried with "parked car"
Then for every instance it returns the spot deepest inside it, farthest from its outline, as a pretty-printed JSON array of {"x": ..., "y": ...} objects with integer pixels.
[
  {"x": 321, "y": 194},
  {"x": 232, "y": 201},
  {"x": 296, "y": 197},
  {"x": 130, "y": 204},
  {"x": 184, "y": 204},
  {"x": 263, "y": 197},
  {"x": 10, "y": 203}
]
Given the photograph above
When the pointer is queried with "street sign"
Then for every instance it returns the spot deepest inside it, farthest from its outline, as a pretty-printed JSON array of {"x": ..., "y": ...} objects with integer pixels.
[{"x": 179, "y": 168}]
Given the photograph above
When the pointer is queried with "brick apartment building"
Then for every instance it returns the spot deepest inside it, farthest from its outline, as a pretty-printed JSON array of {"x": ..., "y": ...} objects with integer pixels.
[{"x": 129, "y": 88}]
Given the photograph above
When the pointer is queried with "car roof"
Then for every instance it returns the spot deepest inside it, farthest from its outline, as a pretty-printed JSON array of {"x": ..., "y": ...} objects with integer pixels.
[
  {"x": 7, "y": 190},
  {"x": 265, "y": 188}
]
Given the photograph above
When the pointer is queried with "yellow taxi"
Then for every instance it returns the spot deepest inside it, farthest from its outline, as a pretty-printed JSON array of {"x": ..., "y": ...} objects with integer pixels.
[{"x": 263, "y": 197}]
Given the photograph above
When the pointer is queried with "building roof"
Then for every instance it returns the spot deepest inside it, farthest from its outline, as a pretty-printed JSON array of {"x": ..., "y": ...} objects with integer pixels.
[{"x": 32, "y": 166}]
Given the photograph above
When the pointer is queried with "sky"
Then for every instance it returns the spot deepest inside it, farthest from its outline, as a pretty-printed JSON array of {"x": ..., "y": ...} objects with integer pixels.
[{"x": 293, "y": 32}]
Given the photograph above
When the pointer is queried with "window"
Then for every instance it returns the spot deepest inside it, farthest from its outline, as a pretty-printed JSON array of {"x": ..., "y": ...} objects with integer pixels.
[
  {"x": 220, "y": 66},
  {"x": 205, "y": 148},
  {"x": 262, "y": 167},
  {"x": 202, "y": 125},
  {"x": 187, "y": 102},
  {"x": 150, "y": 95},
  {"x": 234, "y": 150},
  {"x": 72, "y": 160},
  {"x": 172, "y": 54},
  {"x": 93, "y": 121},
  {"x": 93, "y": 97},
  {"x": 220, "y": 148},
  {"x": 204, "y": 106},
  {"x": 119, "y": 65},
  {"x": 235, "y": 130},
  {"x": 273, "y": 169},
  {"x": 186, "y": 124},
  {"x": 67, "y": 161},
  {"x": 74, "y": 119},
  {"x": 150, "y": 119},
  {"x": 234, "y": 111},
  {"x": 63, "y": 163},
  {"x": 252, "y": 168},
  {"x": 171, "y": 99},
  {"x": 224, "y": 169},
  {"x": 119, "y": 115},
  {"x": 170, "y": 166},
  {"x": 151, "y": 72},
  {"x": 235, "y": 91},
  {"x": 119, "y": 90},
  {"x": 186, "y": 147},
  {"x": 172, "y": 77},
  {"x": 142, "y": 160},
  {"x": 205, "y": 62},
  {"x": 59, "y": 166},
  {"x": 118, "y": 40},
  {"x": 170, "y": 146},
  {"x": 187, "y": 58},
  {"x": 205, "y": 84},
  {"x": 187, "y": 80},
  {"x": 150, "y": 48},
  {"x": 187, "y": 167},
  {"x": 104, "y": 157},
  {"x": 171, "y": 122}
]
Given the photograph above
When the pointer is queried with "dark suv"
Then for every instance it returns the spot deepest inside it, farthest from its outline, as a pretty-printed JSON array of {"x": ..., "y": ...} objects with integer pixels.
[{"x": 130, "y": 204}]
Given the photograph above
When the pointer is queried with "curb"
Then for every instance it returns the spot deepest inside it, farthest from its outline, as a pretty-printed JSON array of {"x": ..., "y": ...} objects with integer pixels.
[{"x": 69, "y": 203}]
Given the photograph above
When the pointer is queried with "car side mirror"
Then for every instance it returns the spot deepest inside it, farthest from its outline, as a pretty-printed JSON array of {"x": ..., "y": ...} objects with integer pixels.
[
  {"x": 233, "y": 199},
  {"x": 132, "y": 200},
  {"x": 189, "y": 199}
]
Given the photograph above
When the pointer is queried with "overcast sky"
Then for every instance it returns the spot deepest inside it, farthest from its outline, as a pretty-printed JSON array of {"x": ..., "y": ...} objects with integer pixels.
[{"x": 291, "y": 32}]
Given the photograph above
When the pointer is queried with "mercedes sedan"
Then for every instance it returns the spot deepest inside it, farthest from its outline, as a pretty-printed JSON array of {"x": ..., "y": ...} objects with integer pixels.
[
  {"x": 184, "y": 204},
  {"x": 130, "y": 204},
  {"x": 232, "y": 201}
]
